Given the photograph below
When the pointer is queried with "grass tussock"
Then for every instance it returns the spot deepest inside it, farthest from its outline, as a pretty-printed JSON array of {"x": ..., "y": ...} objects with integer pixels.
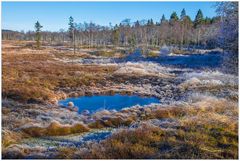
[
  {"x": 212, "y": 142},
  {"x": 11, "y": 137},
  {"x": 178, "y": 51},
  {"x": 55, "y": 129},
  {"x": 108, "y": 53},
  {"x": 111, "y": 122},
  {"x": 152, "y": 54},
  {"x": 103, "y": 53}
]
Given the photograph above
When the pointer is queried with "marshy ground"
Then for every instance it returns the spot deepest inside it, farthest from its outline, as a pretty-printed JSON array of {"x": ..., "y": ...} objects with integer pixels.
[{"x": 196, "y": 119}]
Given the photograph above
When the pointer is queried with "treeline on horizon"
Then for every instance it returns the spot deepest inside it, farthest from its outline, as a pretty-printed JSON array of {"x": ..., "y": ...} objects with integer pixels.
[{"x": 178, "y": 31}]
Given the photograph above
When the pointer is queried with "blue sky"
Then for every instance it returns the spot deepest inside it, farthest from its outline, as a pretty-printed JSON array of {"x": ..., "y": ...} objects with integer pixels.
[{"x": 54, "y": 15}]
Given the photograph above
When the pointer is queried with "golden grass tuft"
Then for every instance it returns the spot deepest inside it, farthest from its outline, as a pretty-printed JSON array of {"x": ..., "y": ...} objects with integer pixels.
[
  {"x": 55, "y": 129},
  {"x": 11, "y": 137},
  {"x": 111, "y": 122}
]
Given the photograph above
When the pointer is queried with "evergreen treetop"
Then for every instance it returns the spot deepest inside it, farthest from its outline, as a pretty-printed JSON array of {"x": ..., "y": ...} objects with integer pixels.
[
  {"x": 199, "y": 18},
  {"x": 174, "y": 16},
  {"x": 183, "y": 14}
]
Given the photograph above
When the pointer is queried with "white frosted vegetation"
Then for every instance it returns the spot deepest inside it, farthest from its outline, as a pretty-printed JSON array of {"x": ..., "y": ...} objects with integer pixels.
[
  {"x": 210, "y": 78},
  {"x": 143, "y": 68}
]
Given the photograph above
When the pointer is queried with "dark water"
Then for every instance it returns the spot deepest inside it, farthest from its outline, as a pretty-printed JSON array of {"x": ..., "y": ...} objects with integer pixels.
[
  {"x": 109, "y": 102},
  {"x": 196, "y": 61}
]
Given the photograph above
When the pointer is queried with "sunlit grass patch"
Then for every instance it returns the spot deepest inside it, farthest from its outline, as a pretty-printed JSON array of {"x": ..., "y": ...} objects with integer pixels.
[
  {"x": 55, "y": 129},
  {"x": 29, "y": 75},
  {"x": 152, "y": 142}
]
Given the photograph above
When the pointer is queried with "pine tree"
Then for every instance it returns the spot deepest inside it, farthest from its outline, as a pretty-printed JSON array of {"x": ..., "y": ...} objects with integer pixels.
[
  {"x": 199, "y": 18},
  {"x": 38, "y": 33}
]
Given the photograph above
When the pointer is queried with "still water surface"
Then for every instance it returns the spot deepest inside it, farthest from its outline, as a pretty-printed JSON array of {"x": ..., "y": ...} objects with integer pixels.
[{"x": 109, "y": 102}]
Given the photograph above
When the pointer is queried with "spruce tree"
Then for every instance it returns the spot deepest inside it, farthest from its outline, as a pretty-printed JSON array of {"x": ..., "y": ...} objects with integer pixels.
[
  {"x": 163, "y": 19},
  {"x": 71, "y": 27},
  {"x": 38, "y": 33},
  {"x": 137, "y": 24},
  {"x": 151, "y": 22},
  {"x": 183, "y": 14},
  {"x": 71, "y": 31},
  {"x": 174, "y": 16}
]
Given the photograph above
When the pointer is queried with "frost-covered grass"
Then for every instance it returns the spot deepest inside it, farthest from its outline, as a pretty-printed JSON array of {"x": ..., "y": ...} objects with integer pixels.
[
  {"x": 143, "y": 68},
  {"x": 211, "y": 78},
  {"x": 211, "y": 82}
]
